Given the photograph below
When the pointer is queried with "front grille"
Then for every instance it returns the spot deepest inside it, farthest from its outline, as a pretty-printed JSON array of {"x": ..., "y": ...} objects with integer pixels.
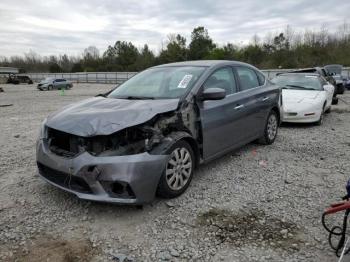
[{"x": 64, "y": 180}]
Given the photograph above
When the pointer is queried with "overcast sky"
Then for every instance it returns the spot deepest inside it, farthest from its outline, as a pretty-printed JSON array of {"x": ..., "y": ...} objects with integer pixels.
[{"x": 67, "y": 26}]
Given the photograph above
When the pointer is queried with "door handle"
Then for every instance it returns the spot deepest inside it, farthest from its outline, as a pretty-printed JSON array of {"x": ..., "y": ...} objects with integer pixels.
[
  {"x": 239, "y": 107},
  {"x": 265, "y": 98}
]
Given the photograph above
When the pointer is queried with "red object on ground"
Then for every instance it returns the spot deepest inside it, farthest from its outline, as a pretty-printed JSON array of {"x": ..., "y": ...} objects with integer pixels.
[{"x": 336, "y": 207}]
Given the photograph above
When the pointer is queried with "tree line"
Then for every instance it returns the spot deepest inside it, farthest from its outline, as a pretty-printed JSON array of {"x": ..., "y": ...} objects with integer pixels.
[{"x": 287, "y": 49}]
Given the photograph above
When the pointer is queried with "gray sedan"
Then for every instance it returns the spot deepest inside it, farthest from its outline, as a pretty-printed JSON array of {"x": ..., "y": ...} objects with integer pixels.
[
  {"x": 146, "y": 137},
  {"x": 54, "y": 83}
]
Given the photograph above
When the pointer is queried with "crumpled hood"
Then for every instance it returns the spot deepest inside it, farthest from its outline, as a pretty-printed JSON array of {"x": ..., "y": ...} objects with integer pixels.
[
  {"x": 299, "y": 96},
  {"x": 105, "y": 116},
  {"x": 300, "y": 100}
]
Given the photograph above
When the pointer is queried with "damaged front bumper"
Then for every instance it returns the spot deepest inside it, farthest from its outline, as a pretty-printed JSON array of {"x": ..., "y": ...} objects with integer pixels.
[{"x": 129, "y": 179}]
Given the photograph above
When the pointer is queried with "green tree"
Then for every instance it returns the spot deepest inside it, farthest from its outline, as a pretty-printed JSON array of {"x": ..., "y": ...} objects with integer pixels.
[
  {"x": 145, "y": 59},
  {"x": 253, "y": 54},
  {"x": 227, "y": 52},
  {"x": 126, "y": 55},
  {"x": 77, "y": 67},
  {"x": 201, "y": 44},
  {"x": 55, "y": 68},
  {"x": 175, "y": 50}
]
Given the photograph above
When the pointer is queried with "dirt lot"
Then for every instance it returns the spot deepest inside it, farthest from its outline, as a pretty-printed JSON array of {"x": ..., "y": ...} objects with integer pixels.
[{"x": 258, "y": 203}]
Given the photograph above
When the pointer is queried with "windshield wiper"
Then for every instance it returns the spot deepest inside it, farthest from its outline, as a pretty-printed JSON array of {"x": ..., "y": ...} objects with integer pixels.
[
  {"x": 137, "y": 97},
  {"x": 300, "y": 87}
]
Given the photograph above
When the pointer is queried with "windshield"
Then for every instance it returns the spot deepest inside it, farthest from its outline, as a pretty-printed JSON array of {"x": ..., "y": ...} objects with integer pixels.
[
  {"x": 334, "y": 69},
  {"x": 295, "y": 81},
  {"x": 159, "y": 83}
]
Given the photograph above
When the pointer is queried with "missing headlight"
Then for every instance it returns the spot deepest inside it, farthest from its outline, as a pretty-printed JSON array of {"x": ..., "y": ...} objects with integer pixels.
[{"x": 125, "y": 142}]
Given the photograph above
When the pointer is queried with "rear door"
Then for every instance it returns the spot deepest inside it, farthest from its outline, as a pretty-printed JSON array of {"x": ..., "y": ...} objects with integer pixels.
[
  {"x": 257, "y": 99},
  {"x": 56, "y": 83}
]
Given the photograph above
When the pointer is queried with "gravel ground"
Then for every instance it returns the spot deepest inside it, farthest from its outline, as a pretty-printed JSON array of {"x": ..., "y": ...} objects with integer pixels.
[{"x": 258, "y": 203}]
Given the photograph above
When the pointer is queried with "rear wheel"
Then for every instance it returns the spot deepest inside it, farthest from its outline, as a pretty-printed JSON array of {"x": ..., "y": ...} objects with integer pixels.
[
  {"x": 178, "y": 171},
  {"x": 271, "y": 128},
  {"x": 335, "y": 101}
]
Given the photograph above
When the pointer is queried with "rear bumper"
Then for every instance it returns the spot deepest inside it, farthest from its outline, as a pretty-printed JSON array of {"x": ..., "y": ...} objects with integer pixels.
[{"x": 129, "y": 179}]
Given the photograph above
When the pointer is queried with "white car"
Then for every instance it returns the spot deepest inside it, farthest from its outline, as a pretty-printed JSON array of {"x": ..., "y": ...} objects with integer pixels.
[{"x": 305, "y": 97}]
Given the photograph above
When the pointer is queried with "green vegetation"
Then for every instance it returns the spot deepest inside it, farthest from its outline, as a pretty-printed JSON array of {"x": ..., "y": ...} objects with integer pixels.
[{"x": 288, "y": 49}]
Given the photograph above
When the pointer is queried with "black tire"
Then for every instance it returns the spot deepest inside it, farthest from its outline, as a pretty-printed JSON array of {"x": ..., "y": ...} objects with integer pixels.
[
  {"x": 328, "y": 110},
  {"x": 320, "y": 121},
  {"x": 267, "y": 138},
  {"x": 335, "y": 100},
  {"x": 341, "y": 90},
  {"x": 164, "y": 189}
]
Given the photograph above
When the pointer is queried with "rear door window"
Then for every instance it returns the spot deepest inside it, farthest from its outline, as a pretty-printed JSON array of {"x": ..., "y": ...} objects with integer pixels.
[
  {"x": 247, "y": 77},
  {"x": 261, "y": 78}
]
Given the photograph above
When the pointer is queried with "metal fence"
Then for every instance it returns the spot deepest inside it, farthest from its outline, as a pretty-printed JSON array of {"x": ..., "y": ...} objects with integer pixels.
[
  {"x": 120, "y": 77},
  {"x": 87, "y": 77}
]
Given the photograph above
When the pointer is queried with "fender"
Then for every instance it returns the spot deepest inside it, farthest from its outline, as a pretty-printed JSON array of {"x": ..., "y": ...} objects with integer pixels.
[{"x": 171, "y": 139}]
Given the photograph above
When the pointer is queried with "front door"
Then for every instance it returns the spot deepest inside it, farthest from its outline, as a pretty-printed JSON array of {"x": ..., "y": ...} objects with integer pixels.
[{"x": 222, "y": 121}]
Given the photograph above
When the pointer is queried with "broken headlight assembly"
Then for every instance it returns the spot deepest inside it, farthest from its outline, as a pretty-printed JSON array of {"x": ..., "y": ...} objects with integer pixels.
[
  {"x": 129, "y": 141},
  {"x": 43, "y": 130}
]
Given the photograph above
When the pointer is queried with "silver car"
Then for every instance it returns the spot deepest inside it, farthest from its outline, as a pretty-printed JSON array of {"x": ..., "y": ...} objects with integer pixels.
[
  {"x": 146, "y": 137},
  {"x": 54, "y": 83}
]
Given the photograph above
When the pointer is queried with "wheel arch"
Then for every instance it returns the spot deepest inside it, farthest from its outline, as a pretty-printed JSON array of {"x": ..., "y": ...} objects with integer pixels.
[
  {"x": 173, "y": 138},
  {"x": 277, "y": 111}
]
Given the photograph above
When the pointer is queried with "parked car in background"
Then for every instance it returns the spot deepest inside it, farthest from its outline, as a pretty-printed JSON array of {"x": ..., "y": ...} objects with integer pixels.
[
  {"x": 329, "y": 78},
  {"x": 347, "y": 83},
  {"x": 335, "y": 71},
  {"x": 148, "y": 135},
  {"x": 305, "y": 97},
  {"x": 16, "y": 79},
  {"x": 54, "y": 83}
]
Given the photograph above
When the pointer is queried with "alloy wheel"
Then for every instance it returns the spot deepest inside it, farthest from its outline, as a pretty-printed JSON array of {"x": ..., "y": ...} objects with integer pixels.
[
  {"x": 272, "y": 126},
  {"x": 179, "y": 168}
]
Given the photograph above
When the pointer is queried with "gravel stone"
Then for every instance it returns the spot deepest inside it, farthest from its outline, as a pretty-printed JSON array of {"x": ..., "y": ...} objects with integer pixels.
[{"x": 269, "y": 199}]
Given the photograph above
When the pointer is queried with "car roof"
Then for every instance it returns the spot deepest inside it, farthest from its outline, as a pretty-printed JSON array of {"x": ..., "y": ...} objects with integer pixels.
[{"x": 206, "y": 63}]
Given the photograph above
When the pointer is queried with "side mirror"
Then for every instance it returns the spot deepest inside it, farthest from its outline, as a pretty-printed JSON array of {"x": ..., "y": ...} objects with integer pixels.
[{"x": 213, "y": 93}]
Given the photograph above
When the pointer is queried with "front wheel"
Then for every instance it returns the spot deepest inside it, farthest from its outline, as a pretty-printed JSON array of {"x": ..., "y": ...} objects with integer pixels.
[
  {"x": 320, "y": 121},
  {"x": 178, "y": 170},
  {"x": 270, "y": 131},
  {"x": 335, "y": 101}
]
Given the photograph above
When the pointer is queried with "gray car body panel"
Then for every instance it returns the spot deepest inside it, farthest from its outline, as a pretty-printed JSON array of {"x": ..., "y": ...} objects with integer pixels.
[
  {"x": 141, "y": 171},
  {"x": 104, "y": 116},
  {"x": 216, "y": 127}
]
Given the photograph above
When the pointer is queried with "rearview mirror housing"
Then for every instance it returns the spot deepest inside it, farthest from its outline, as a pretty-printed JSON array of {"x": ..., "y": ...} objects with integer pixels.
[{"x": 213, "y": 93}]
